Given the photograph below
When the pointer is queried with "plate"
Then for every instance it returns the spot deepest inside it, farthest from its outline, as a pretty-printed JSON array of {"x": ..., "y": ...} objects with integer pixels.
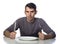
[{"x": 27, "y": 38}]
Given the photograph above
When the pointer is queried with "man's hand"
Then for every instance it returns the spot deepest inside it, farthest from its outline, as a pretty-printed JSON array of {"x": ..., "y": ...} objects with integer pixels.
[
  {"x": 12, "y": 35},
  {"x": 41, "y": 35}
]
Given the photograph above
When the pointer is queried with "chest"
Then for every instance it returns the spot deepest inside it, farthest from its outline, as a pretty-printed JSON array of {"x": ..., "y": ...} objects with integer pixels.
[{"x": 30, "y": 28}]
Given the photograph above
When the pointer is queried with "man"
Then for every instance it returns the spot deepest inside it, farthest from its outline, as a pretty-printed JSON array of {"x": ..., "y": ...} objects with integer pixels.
[{"x": 30, "y": 26}]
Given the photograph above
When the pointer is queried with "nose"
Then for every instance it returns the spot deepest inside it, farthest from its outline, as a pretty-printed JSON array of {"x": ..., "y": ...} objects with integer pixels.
[{"x": 30, "y": 13}]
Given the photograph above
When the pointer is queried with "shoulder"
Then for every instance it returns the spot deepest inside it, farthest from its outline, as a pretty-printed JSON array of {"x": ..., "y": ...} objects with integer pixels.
[
  {"x": 21, "y": 19},
  {"x": 39, "y": 19}
]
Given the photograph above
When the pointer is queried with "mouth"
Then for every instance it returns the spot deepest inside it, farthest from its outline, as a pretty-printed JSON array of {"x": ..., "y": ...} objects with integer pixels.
[{"x": 30, "y": 18}]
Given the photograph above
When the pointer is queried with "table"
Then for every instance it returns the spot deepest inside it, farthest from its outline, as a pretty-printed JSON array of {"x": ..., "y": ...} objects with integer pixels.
[{"x": 13, "y": 41}]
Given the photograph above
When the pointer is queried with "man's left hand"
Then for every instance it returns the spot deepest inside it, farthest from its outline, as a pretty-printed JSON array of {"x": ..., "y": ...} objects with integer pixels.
[{"x": 41, "y": 35}]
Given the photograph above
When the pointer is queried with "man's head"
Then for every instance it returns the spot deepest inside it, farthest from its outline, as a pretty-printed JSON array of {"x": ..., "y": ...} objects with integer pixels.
[{"x": 30, "y": 11}]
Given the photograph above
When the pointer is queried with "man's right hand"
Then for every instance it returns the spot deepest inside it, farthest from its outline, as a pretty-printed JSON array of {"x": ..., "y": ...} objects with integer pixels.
[
  {"x": 12, "y": 35},
  {"x": 9, "y": 34}
]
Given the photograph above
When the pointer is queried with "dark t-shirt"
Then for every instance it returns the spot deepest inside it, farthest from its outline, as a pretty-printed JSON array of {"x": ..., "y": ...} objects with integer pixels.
[{"x": 31, "y": 28}]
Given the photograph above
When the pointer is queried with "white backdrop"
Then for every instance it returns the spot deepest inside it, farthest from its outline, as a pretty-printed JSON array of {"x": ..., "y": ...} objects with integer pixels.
[{"x": 49, "y": 10}]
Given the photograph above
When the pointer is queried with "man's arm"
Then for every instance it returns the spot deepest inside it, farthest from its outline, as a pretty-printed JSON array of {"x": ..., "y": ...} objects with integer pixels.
[
  {"x": 49, "y": 36},
  {"x": 46, "y": 29},
  {"x": 10, "y": 30},
  {"x": 10, "y": 34},
  {"x": 44, "y": 37}
]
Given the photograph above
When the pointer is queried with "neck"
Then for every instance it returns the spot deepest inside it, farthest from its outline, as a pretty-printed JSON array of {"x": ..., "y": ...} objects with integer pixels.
[{"x": 30, "y": 20}]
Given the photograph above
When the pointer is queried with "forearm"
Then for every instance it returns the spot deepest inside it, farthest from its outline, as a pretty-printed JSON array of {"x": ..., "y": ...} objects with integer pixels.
[
  {"x": 46, "y": 36},
  {"x": 6, "y": 34},
  {"x": 49, "y": 36}
]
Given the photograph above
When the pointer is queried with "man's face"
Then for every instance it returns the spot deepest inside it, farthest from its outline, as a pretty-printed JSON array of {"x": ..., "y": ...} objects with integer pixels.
[{"x": 30, "y": 13}]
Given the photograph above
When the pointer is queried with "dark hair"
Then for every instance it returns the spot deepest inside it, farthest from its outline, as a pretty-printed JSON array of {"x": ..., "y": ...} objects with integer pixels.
[{"x": 31, "y": 5}]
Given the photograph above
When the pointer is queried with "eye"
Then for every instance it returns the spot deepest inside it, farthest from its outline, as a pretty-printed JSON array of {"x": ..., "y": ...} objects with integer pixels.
[
  {"x": 32, "y": 11},
  {"x": 27, "y": 11}
]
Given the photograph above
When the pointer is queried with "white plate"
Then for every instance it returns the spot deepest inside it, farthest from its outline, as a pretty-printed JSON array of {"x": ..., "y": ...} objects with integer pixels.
[{"x": 26, "y": 39}]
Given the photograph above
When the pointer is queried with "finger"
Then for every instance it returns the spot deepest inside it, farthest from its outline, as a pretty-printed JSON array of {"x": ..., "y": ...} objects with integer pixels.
[
  {"x": 41, "y": 35},
  {"x": 13, "y": 32},
  {"x": 12, "y": 35}
]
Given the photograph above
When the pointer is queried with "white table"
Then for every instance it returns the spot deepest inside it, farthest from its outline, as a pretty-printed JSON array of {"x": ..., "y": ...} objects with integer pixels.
[{"x": 13, "y": 41}]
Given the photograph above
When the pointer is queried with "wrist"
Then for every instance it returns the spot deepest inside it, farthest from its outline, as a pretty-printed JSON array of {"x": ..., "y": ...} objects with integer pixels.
[
  {"x": 7, "y": 34},
  {"x": 48, "y": 36}
]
